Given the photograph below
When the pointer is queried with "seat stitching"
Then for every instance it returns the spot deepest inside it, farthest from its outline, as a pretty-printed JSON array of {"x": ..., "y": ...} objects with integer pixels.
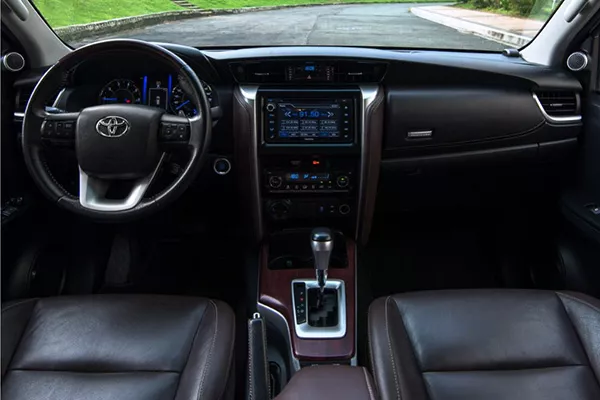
[
  {"x": 250, "y": 365},
  {"x": 580, "y": 301},
  {"x": 369, "y": 388},
  {"x": 370, "y": 340},
  {"x": 191, "y": 346},
  {"x": 139, "y": 371},
  {"x": 212, "y": 346},
  {"x": 392, "y": 356},
  {"x": 575, "y": 329},
  {"x": 449, "y": 371},
  {"x": 18, "y": 345},
  {"x": 18, "y": 303}
]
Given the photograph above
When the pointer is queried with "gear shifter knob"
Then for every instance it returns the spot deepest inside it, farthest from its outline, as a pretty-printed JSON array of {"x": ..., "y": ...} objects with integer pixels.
[{"x": 321, "y": 241}]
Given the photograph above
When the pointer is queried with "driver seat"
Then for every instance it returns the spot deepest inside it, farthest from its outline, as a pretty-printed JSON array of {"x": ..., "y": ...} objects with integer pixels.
[{"x": 108, "y": 347}]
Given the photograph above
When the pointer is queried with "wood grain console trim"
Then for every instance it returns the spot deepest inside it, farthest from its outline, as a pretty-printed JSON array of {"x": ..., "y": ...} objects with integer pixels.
[{"x": 276, "y": 292}]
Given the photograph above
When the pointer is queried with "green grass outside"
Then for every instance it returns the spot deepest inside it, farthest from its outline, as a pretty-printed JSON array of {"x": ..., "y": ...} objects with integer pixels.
[
  {"x": 61, "y": 13},
  {"x": 541, "y": 15},
  {"x": 256, "y": 3},
  {"x": 70, "y": 12}
]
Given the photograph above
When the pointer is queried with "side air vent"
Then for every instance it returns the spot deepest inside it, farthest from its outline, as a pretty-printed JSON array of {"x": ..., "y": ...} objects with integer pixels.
[
  {"x": 23, "y": 95},
  {"x": 559, "y": 106}
]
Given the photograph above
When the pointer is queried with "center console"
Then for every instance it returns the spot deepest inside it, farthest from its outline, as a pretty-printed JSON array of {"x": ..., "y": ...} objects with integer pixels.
[
  {"x": 309, "y": 154},
  {"x": 309, "y": 149}
]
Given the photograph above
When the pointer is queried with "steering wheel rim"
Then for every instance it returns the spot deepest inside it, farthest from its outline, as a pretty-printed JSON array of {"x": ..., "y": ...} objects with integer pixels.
[{"x": 89, "y": 202}]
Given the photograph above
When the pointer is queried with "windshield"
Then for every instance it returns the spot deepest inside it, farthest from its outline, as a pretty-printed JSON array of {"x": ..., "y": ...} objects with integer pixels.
[{"x": 488, "y": 25}]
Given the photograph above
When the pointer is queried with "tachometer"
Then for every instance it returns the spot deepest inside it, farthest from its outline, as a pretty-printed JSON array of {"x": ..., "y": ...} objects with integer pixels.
[
  {"x": 121, "y": 91},
  {"x": 181, "y": 103}
]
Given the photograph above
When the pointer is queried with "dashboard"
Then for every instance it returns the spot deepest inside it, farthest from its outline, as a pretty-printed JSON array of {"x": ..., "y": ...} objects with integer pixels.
[{"x": 316, "y": 133}]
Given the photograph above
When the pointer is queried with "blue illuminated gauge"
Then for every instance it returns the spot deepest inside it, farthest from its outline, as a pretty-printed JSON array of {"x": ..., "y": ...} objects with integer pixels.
[
  {"x": 122, "y": 91},
  {"x": 181, "y": 103}
]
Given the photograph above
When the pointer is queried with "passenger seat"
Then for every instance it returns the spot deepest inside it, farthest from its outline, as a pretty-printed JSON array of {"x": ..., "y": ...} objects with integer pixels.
[{"x": 486, "y": 345}]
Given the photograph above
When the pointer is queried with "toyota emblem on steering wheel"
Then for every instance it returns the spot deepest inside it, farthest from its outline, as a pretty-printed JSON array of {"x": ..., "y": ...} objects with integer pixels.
[{"x": 112, "y": 126}]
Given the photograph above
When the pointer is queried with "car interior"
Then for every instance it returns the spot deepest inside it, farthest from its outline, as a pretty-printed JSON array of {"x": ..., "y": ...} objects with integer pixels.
[{"x": 315, "y": 222}]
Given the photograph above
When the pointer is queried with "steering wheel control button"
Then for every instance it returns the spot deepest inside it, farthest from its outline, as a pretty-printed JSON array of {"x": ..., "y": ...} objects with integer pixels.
[
  {"x": 222, "y": 166},
  {"x": 58, "y": 133},
  {"x": 174, "y": 133}
]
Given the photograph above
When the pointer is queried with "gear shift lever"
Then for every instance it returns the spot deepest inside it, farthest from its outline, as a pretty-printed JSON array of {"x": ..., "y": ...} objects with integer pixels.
[{"x": 321, "y": 241}]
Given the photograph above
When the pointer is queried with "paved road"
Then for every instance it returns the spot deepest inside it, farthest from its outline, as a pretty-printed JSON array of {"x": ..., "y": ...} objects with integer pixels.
[{"x": 345, "y": 25}]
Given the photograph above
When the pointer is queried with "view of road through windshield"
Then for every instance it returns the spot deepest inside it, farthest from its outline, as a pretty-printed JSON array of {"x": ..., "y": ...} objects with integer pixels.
[
  {"x": 386, "y": 25},
  {"x": 469, "y": 25}
]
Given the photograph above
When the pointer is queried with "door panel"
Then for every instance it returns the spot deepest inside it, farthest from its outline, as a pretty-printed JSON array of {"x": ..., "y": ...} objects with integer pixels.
[{"x": 579, "y": 244}]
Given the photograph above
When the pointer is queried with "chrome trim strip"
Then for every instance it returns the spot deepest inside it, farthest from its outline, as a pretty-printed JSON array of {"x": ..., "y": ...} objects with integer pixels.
[
  {"x": 354, "y": 360},
  {"x": 279, "y": 321},
  {"x": 550, "y": 118},
  {"x": 369, "y": 94},
  {"x": 58, "y": 97},
  {"x": 19, "y": 115},
  {"x": 92, "y": 191},
  {"x": 249, "y": 93},
  {"x": 305, "y": 331}
]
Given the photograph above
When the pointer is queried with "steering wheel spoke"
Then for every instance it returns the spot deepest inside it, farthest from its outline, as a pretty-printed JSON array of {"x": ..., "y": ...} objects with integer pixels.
[
  {"x": 59, "y": 129},
  {"x": 174, "y": 132},
  {"x": 93, "y": 192}
]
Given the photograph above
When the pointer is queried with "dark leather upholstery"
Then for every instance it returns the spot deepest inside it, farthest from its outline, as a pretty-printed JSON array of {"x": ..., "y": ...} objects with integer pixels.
[
  {"x": 329, "y": 382},
  {"x": 486, "y": 344},
  {"x": 117, "y": 347}
]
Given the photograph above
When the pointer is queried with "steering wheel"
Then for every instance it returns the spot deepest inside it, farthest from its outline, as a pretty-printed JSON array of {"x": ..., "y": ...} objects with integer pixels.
[{"x": 115, "y": 142}]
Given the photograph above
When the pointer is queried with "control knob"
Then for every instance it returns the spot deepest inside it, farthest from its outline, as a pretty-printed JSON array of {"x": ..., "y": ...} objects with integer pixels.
[
  {"x": 342, "y": 181},
  {"x": 279, "y": 209},
  {"x": 275, "y": 181},
  {"x": 344, "y": 209},
  {"x": 271, "y": 107}
]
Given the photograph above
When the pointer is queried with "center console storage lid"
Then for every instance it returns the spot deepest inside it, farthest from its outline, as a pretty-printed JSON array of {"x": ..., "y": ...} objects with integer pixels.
[{"x": 326, "y": 382}]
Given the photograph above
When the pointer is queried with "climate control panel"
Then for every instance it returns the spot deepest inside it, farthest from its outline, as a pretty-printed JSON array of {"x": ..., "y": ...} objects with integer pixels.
[{"x": 279, "y": 181}]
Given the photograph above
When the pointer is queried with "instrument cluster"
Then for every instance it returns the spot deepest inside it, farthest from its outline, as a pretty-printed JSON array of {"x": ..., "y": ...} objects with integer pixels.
[{"x": 162, "y": 92}]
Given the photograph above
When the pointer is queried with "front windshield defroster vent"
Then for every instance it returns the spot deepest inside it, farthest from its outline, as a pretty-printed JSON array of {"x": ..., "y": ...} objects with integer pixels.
[{"x": 559, "y": 104}]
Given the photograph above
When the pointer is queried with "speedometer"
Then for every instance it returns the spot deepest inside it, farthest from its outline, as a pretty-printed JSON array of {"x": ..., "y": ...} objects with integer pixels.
[
  {"x": 181, "y": 103},
  {"x": 183, "y": 106},
  {"x": 121, "y": 91}
]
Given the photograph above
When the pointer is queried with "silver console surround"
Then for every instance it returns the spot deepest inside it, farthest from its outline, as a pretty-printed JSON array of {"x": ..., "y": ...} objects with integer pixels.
[
  {"x": 304, "y": 330},
  {"x": 369, "y": 94}
]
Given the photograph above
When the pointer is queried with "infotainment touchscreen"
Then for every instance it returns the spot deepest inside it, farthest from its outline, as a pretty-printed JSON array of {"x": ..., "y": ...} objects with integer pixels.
[{"x": 309, "y": 121}]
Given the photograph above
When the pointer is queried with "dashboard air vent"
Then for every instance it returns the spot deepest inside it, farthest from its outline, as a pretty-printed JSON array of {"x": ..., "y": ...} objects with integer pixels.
[
  {"x": 559, "y": 104},
  {"x": 23, "y": 95},
  {"x": 349, "y": 72}
]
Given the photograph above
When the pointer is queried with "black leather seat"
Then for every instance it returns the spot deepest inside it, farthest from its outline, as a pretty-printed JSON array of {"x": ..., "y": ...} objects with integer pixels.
[
  {"x": 486, "y": 344},
  {"x": 117, "y": 347}
]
